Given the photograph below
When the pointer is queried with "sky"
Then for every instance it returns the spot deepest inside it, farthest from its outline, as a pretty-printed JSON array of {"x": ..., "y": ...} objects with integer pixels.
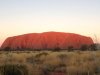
[{"x": 35, "y": 16}]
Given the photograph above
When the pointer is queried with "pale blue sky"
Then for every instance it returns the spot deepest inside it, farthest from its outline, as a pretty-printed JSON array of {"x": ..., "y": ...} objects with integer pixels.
[{"x": 29, "y": 16}]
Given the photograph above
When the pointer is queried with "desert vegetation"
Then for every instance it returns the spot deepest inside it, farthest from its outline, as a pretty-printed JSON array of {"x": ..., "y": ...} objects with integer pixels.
[
  {"x": 84, "y": 47},
  {"x": 13, "y": 69},
  {"x": 50, "y": 62}
]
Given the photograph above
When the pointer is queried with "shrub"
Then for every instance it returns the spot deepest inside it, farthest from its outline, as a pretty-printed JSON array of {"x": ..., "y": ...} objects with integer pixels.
[
  {"x": 11, "y": 69},
  {"x": 37, "y": 58},
  {"x": 41, "y": 54},
  {"x": 84, "y": 47},
  {"x": 54, "y": 69},
  {"x": 62, "y": 58},
  {"x": 97, "y": 70},
  {"x": 57, "y": 49},
  {"x": 93, "y": 47},
  {"x": 30, "y": 60},
  {"x": 70, "y": 48},
  {"x": 47, "y": 69},
  {"x": 7, "y": 48}
]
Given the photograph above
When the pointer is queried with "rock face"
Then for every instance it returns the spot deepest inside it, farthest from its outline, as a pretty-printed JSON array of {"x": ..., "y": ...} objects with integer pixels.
[{"x": 46, "y": 40}]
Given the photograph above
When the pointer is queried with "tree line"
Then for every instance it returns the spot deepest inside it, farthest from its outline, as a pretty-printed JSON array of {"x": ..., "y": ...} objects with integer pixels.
[{"x": 84, "y": 47}]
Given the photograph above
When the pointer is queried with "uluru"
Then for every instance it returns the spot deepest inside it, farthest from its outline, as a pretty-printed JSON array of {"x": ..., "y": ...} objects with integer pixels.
[{"x": 46, "y": 40}]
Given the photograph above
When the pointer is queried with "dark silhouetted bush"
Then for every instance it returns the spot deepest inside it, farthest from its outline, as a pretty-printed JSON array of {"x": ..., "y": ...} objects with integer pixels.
[
  {"x": 84, "y": 47},
  {"x": 57, "y": 49},
  {"x": 7, "y": 48},
  {"x": 70, "y": 48},
  {"x": 93, "y": 47}
]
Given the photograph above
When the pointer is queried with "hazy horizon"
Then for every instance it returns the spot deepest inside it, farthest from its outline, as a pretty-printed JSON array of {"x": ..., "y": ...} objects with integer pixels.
[{"x": 35, "y": 16}]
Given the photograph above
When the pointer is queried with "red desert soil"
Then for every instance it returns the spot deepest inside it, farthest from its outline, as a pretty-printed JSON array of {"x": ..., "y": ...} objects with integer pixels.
[{"x": 46, "y": 40}]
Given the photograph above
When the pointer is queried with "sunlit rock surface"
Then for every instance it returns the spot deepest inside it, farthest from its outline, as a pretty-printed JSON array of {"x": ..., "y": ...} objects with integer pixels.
[{"x": 46, "y": 40}]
